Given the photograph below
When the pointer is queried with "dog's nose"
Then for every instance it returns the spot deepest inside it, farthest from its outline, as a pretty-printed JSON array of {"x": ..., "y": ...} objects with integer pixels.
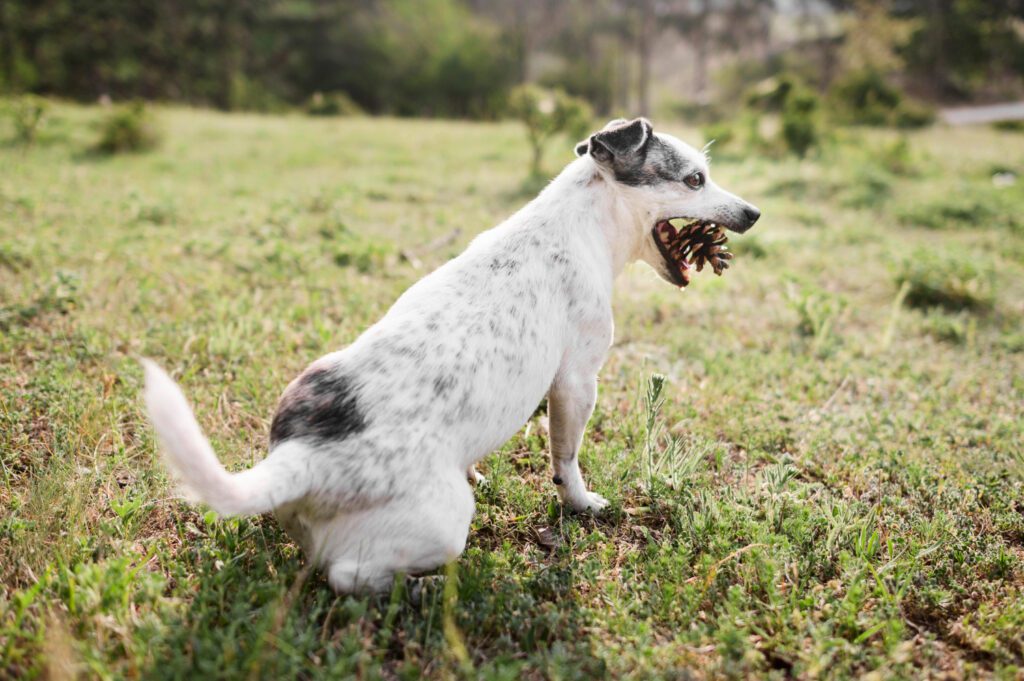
[{"x": 751, "y": 214}]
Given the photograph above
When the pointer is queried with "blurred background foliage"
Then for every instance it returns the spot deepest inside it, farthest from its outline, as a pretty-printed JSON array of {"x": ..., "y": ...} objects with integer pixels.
[{"x": 457, "y": 58}]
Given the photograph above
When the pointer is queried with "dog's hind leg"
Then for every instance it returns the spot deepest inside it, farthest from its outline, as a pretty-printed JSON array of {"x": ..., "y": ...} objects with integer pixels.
[
  {"x": 415, "y": 532},
  {"x": 570, "y": 403}
]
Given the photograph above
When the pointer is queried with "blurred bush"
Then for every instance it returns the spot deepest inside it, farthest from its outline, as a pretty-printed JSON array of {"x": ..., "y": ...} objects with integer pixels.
[
  {"x": 332, "y": 104},
  {"x": 128, "y": 128},
  {"x": 547, "y": 113},
  {"x": 27, "y": 114},
  {"x": 799, "y": 126},
  {"x": 799, "y": 122},
  {"x": 946, "y": 281},
  {"x": 865, "y": 97},
  {"x": 1009, "y": 126}
]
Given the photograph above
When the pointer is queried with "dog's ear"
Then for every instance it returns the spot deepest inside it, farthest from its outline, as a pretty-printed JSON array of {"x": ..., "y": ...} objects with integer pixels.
[
  {"x": 615, "y": 123},
  {"x": 620, "y": 141},
  {"x": 581, "y": 147}
]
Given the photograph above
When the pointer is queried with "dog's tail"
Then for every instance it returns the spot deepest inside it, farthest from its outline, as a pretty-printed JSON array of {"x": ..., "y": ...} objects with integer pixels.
[{"x": 278, "y": 479}]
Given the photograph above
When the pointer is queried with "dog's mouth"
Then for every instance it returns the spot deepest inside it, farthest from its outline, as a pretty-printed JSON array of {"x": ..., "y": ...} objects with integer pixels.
[{"x": 691, "y": 246}]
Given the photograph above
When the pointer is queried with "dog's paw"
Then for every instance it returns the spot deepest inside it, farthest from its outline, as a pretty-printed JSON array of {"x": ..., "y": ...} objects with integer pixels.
[{"x": 591, "y": 502}]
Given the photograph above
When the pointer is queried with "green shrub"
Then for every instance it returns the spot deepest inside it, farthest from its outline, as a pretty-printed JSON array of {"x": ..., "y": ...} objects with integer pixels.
[
  {"x": 952, "y": 283},
  {"x": 546, "y": 113},
  {"x": 128, "y": 128},
  {"x": 799, "y": 122},
  {"x": 865, "y": 97},
  {"x": 1009, "y": 126},
  {"x": 27, "y": 114},
  {"x": 363, "y": 254},
  {"x": 332, "y": 104}
]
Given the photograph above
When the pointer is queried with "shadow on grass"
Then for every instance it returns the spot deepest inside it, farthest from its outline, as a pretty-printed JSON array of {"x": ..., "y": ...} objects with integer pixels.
[{"x": 253, "y": 611}]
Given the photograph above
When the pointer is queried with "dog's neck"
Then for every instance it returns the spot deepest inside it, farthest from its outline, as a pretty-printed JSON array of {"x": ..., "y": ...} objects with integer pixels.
[{"x": 581, "y": 199}]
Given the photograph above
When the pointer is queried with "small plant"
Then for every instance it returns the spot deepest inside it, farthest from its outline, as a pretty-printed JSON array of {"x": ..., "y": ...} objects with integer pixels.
[
  {"x": 817, "y": 312},
  {"x": 332, "y": 104},
  {"x": 669, "y": 464},
  {"x": 547, "y": 113},
  {"x": 952, "y": 283},
  {"x": 955, "y": 329},
  {"x": 128, "y": 128},
  {"x": 799, "y": 124},
  {"x": 27, "y": 114},
  {"x": 363, "y": 254}
]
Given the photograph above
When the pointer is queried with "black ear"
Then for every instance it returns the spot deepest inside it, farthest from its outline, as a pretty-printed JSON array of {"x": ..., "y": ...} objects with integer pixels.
[
  {"x": 582, "y": 147},
  {"x": 622, "y": 142}
]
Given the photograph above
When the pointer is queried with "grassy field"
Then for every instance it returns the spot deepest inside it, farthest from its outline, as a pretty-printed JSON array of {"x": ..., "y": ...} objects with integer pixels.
[{"x": 828, "y": 485}]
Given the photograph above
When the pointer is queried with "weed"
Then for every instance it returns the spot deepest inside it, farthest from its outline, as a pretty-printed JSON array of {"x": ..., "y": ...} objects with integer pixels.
[
  {"x": 817, "y": 312},
  {"x": 667, "y": 461}
]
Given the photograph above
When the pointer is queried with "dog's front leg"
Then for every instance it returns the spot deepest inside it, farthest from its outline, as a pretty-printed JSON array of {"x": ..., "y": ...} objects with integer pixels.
[{"x": 570, "y": 404}]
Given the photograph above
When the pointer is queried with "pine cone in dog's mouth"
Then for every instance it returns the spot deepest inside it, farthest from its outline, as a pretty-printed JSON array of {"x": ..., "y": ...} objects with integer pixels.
[{"x": 692, "y": 246}]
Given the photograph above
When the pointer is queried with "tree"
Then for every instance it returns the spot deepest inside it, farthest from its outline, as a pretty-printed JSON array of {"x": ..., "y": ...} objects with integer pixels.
[{"x": 547, "y": 113}]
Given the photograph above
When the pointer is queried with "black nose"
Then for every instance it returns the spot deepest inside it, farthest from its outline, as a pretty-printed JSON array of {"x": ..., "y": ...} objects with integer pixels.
[{"x": 751, "y": 214}]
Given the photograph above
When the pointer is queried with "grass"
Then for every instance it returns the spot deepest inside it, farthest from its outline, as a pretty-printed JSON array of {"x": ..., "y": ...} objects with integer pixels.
[{"x": 812, "y": 471}]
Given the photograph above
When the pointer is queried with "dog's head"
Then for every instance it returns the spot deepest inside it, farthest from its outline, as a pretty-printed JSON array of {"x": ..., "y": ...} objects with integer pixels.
[{"x": 663, "y": 178}]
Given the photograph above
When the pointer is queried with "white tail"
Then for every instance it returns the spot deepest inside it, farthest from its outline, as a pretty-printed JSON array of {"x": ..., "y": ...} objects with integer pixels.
[{"x": 276, "y": 480}]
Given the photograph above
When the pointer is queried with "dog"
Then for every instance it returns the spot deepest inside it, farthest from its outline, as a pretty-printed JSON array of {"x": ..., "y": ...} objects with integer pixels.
[{"x": 371, "y": 445}]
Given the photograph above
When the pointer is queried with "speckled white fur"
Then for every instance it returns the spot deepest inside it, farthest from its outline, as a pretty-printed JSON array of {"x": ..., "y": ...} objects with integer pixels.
[{"x": 368, "y": 471}]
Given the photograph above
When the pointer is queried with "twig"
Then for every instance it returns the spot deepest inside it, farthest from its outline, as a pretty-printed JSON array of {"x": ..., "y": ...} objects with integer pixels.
[
  {"x": 714, "y": 568},
  {"x": 412, "y": 256}
]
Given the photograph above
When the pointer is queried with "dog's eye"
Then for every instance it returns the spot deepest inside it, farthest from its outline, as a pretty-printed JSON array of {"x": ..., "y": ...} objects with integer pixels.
[{"x": 694, "y": 181}]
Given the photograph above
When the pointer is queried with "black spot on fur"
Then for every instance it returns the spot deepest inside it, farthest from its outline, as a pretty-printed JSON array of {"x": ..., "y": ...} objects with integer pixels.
[
  {"x": 443, "y": 385},
  {"x": 323, "y": 407},
  {"x": 558, "y": 258},
  {"x": 557, "y": 480},
  {"x": 507, "y": 266}
]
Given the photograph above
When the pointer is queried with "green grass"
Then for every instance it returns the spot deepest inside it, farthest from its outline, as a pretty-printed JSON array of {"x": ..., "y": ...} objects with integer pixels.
[{"x": 830, "y": 484}]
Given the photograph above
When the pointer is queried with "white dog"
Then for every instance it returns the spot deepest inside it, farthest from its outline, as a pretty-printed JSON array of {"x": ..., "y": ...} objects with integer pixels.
[{"x": 370, "y": 445}]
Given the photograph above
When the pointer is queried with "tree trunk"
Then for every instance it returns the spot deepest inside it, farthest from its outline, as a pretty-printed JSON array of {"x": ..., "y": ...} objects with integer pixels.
[
  {"x": 700, "y": 61},
  {"x": 645, "y": 36}
]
